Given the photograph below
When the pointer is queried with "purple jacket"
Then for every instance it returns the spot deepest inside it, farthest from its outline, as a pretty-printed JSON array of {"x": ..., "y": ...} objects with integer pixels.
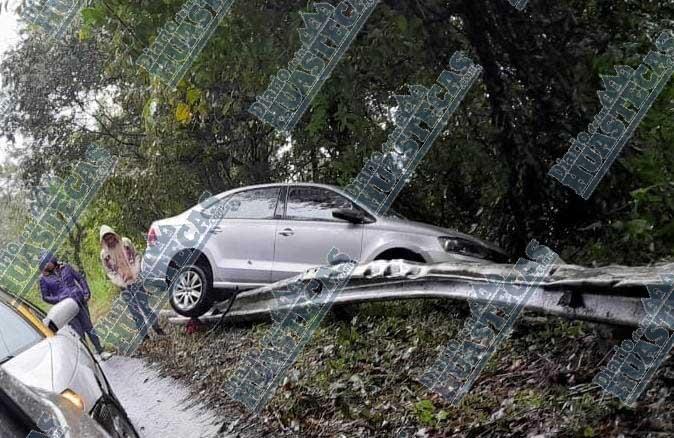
[{"x": 64, "y": 283}]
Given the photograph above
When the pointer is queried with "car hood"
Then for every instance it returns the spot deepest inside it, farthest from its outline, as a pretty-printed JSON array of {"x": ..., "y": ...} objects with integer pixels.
[
  {"x": 58, "y": 363},
  {"x": 392, "y": 223},
  {"x": 49, "y": 411}
]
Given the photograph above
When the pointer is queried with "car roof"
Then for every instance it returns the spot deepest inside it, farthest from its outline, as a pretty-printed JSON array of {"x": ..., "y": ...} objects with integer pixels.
[{"x": 285, "y": 184}]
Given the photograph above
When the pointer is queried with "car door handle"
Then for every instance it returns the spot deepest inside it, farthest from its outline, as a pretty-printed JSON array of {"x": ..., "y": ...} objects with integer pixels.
[
  {"x": 287, "y": 232},
  {"x": 216, "y": 230}
]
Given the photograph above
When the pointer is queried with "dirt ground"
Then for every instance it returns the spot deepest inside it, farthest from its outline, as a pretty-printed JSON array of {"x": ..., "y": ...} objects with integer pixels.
[{"x": 357, "y": 378}]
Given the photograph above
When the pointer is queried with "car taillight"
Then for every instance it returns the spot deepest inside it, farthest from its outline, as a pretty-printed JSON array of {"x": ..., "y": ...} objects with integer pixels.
[{"x": 151, "y": 237}]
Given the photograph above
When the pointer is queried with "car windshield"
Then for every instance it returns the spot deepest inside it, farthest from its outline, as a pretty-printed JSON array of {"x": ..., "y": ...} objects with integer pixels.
[
  {"x": 16, "y": 334},
  {"x": 389, "y": 213}
]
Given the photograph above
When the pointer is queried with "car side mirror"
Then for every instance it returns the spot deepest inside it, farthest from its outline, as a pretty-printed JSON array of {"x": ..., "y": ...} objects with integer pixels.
[
  {"x": 350, "y": 215},
  {"x": 61, "y": 314}
]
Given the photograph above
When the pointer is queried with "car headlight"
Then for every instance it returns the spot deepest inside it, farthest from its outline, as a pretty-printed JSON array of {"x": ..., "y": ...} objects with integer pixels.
[
  {"x": 472, "y": 249},
  {"x": 74, "y": 399},
  {"x": 462, "y": 246},
  {"x": 448, "y": 243}
]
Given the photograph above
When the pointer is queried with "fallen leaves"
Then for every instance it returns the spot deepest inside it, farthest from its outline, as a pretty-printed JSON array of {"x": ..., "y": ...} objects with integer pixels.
[{"x": 358, "y": 378}]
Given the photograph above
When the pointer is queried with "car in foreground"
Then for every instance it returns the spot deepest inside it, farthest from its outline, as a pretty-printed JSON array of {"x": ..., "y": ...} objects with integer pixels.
[
  {"x": 266, "y": 233},
  {"x": 50, "y": 357},
  {"x": 32, "y": 413}
]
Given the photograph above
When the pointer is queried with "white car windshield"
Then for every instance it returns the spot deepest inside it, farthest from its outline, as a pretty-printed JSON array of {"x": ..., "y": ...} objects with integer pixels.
[{"x": 16, "y": 334}]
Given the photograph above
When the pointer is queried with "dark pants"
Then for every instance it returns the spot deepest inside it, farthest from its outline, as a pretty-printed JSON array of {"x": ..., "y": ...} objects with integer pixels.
[
  {"x": 82, "y": 325},
  {"x": 136, "y": 297}
]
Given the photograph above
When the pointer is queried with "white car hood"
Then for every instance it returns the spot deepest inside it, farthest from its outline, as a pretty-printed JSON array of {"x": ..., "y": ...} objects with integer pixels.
[
  {"x": 34, "y": 366},
  {"x": 58, "y": 363}
]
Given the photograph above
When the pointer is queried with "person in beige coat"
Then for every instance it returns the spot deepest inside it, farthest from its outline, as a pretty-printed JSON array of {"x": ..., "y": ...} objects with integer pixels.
[{"x": 121, "y": 262}]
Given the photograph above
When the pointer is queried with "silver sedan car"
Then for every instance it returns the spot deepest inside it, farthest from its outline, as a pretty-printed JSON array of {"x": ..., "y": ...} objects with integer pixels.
[{"x": 265, "y": 233}]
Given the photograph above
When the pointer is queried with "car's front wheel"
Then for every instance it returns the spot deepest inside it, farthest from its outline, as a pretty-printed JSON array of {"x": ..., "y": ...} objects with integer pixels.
[
  {"x": 402, "y": 254},
  {"x": 191, "y": 293}
]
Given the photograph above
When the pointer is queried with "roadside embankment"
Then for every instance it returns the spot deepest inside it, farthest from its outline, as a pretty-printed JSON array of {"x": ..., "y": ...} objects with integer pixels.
[{"x": 357, "y": 377}]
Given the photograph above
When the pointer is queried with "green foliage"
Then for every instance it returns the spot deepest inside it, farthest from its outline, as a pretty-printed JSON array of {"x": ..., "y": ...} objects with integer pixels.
[
  {"x": 13, "y": 216},
  {"x": 643, "y": 228},
  {"x": 486, "y": 174},
  {"x": 529, "y": 399},
  {"x": 424, "y": 410}
]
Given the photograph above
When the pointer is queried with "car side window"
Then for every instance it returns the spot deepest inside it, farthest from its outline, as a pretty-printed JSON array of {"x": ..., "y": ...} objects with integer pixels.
[
  {"x": 16, "y": 334},
  {"x": 314, "y": 203},
  {"x": 281, "y": 206},
  {"x": 250, "y": 204},
  {"x": 218, "y": 209}
]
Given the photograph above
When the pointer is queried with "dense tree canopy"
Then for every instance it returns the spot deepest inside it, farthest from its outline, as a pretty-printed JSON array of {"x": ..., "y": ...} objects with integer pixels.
[{"x": 486, "y": 173}]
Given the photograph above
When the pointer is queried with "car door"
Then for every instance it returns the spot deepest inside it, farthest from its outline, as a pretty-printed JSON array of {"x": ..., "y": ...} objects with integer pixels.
[
  {"x": 307, "y": 232},
  {"x": 242, "y": 245}
]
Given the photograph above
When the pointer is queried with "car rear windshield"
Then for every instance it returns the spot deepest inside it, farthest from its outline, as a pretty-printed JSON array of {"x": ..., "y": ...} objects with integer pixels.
[{"x": 16, "y": 334}]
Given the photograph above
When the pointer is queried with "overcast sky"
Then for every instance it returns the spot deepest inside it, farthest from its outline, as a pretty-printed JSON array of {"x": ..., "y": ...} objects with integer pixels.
[
  {"x": 8, "y": 38},
  {"x": 8, "y": 26}
]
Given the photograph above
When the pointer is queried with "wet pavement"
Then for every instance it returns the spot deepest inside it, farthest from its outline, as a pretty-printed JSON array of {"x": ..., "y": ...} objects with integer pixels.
[{"x": 158, "y": 406}]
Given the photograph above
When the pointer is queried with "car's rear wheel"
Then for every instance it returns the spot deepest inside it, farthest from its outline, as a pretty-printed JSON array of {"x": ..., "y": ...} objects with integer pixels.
[{"x": 191, "y": 292}]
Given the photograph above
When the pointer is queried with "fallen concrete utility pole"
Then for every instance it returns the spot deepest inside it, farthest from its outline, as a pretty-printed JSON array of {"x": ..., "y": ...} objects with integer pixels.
[{"x": 609, "y": 294}]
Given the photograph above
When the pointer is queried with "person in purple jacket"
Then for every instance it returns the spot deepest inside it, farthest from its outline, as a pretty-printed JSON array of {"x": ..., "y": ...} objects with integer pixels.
[{"x": 60, "y": 281}]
